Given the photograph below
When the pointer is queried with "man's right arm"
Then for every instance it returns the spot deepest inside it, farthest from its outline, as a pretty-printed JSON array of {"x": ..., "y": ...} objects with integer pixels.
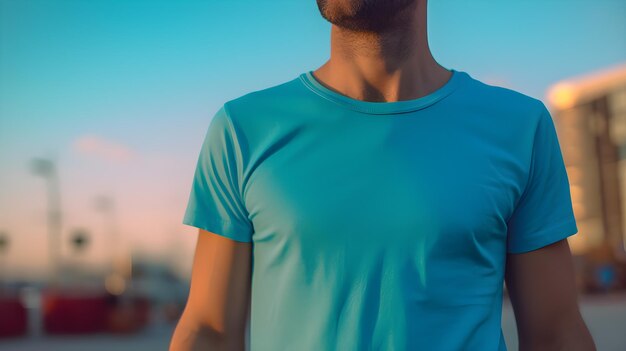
[{"x": 216, "y": 312}]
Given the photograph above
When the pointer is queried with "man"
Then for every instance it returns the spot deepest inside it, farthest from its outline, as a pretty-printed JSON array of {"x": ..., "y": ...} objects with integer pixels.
[{"x": 379, "y": 203}]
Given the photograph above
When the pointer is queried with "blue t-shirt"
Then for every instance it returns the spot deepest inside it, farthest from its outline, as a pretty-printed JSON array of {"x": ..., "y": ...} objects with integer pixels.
[{"x": 381, "y": 225}]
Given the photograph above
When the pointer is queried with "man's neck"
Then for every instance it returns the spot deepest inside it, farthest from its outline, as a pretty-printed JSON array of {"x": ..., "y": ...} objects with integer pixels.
[{"x": 383, "y": 67}]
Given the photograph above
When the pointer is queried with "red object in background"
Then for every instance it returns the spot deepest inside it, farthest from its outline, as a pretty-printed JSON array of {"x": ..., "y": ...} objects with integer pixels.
[
  {"x": 85, "y": 312},
  {"x": 129, "y": 315},
  {"x": 142, "y": 310},
  {"x": 13, "y": 319},
  {"x": 74, "y": 313}
]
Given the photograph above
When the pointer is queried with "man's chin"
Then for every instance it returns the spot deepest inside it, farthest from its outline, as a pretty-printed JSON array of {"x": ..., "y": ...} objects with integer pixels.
[{"x": 365, "y": 15}]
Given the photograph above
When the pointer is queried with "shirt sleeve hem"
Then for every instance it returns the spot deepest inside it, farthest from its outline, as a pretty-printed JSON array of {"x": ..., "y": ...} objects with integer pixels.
[
  {"x": 220, "y": 227},
  {"x": 544, "y": 237}
]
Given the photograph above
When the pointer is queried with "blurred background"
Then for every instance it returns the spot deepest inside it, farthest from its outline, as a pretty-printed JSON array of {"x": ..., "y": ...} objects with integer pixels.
[{"x": 104, "y": 105}]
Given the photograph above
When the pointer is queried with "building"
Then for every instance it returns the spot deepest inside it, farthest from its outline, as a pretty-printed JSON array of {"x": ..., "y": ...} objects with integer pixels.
[{"x": 589, "y": 112}]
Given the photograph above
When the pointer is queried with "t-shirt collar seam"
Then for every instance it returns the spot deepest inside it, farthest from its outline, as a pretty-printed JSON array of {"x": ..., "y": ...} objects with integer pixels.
[{"x": 346, "y": 104}]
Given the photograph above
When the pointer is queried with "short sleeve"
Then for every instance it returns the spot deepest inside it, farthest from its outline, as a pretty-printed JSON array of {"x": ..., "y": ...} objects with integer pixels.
[
  {"x": 215, "y": 203},
  {"x": 544, "y": 213}
]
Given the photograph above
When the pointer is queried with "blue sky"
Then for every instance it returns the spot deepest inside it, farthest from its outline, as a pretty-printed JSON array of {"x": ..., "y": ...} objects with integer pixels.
[{"x": 121, "y": 92}]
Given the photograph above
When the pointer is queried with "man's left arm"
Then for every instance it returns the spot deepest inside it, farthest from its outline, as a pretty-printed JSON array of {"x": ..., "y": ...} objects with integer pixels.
[{"x": 542, "y": 289}]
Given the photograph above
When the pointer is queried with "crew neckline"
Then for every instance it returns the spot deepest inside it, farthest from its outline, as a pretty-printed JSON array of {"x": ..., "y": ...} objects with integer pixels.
[{"x": 392, "y": 107}]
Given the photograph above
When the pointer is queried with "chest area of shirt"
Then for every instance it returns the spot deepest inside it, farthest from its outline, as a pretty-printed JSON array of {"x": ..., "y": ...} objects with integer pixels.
[{"x": 386, "y": 188}]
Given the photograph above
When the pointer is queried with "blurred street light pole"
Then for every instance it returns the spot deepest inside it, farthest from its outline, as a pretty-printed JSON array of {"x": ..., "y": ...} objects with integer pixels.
[
  {"x": 79, "y": 241},
  {"x": 47, "y": 169},
  {"x": 105, "y": 205},
  {"x": 119, "y": 276}
]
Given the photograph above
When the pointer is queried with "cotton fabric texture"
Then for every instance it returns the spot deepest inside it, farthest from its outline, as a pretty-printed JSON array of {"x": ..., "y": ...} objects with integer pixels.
[{"x": 381, "y": 225}]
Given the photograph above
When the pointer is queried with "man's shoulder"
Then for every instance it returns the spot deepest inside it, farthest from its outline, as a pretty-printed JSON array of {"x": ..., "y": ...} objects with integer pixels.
[
  {"x": 268, "y": 99},
  {"x": 499, "y": 94},
  {"x": 500, "y": 100}
]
